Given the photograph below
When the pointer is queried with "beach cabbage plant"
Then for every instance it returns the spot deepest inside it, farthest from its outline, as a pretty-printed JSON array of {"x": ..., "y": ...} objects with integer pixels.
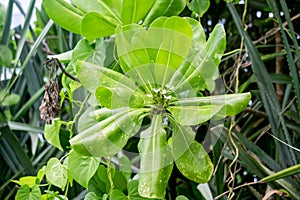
[{"x": 166, "y": 69}]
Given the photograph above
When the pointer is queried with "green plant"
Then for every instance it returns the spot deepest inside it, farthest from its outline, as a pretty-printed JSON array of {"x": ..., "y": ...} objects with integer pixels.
[{"x": 160, "y": 94}]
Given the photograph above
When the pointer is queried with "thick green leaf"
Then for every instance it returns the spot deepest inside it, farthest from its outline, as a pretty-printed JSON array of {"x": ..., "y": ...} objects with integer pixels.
[
  {"x": 193, "y": 115},
  {"x": 199, "y": 6},
  {"x": 82, "y": 168},
  {"x": 112, "y": 89},
  {"x": 204, "y": 108},
  {"x": 109, "y": 136},
  {"x": 51, "y": 133},
  {"x": 138, "y": 10},
  {"x": 200, "y": 68},
  {"x": 154, "y": 61},
  {"x": 164, "y": 8},
  {"x": 161, "y": 46},
  {"x": 27, "y": 193},
  {"x": 171, "y": 52},
  {"x": 64, "y": 14},
  {"x": 190, "y": 157},
  {"x": 56, "y": 173},
  {"x": 101, "y": 76},
  {"x": 95, "y": 25},
  {"x": 105, "y": 8},
  {"x": 156, "y": 160},
  {"x": 86, "y": 120},
  {"x": 133, "y": 190}
]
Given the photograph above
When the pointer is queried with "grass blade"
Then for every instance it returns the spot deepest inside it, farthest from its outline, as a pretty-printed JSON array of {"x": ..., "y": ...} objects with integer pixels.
[
  {"x": 6, "y": 28},
  {"x": 283, "y": 173},
  {"x": 267, "y": 93},
  {"x": 32, "y": 52},
  {"x": 292, "y": 66}
]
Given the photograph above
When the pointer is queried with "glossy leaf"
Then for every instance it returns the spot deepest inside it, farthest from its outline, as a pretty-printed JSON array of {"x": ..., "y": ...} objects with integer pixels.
[
  {"x": 204, "y": 108},
  {"x": 200, "y": 68},
  {"x": 56, "y": 173},
  {"x": 106, "y": 8},
  {"x": 27, "y": 193},
  {"x": 64, "y": 14},
  {"x": 101, "y": 76},
  {"x": 199, "y": 6},
  {"x": 95, "y": 25},
  {"x": 109, "y": 136},
  {"x": 138, "y": 9},
  {"x": 164, "y": 8},
  {"x": 154, "y": 60},
  {"x": 111, "y": 88},
  {"x": 190, "y": 157},
  {"x": 193, "y": 115},
  {"x": 82, "y": 168},
  {"x": 156, "y": 160}
]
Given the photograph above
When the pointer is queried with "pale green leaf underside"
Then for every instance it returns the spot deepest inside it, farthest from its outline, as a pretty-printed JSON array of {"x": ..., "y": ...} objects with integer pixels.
[{"x": 56, "y": 173}]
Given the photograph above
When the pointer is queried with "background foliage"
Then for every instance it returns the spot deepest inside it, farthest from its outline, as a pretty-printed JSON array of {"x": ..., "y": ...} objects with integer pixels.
[{"x": 262, "y": 56}]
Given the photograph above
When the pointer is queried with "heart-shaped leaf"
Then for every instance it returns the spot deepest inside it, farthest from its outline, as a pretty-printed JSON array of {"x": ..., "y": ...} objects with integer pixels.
[
  {"x": 199, "y": 6},
  {"x": 56, "y": 173},
  {"x": 82, "y": 168},
  {"x": 25, "y": 192}
]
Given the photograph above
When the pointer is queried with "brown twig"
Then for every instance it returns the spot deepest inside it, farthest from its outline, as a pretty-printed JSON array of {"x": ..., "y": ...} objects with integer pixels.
[{"x": 57, "y": 63}]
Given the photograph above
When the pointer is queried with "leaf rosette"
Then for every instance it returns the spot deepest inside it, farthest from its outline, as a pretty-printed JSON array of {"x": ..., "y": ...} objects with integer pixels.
[{"x": 165, "y": 66}]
